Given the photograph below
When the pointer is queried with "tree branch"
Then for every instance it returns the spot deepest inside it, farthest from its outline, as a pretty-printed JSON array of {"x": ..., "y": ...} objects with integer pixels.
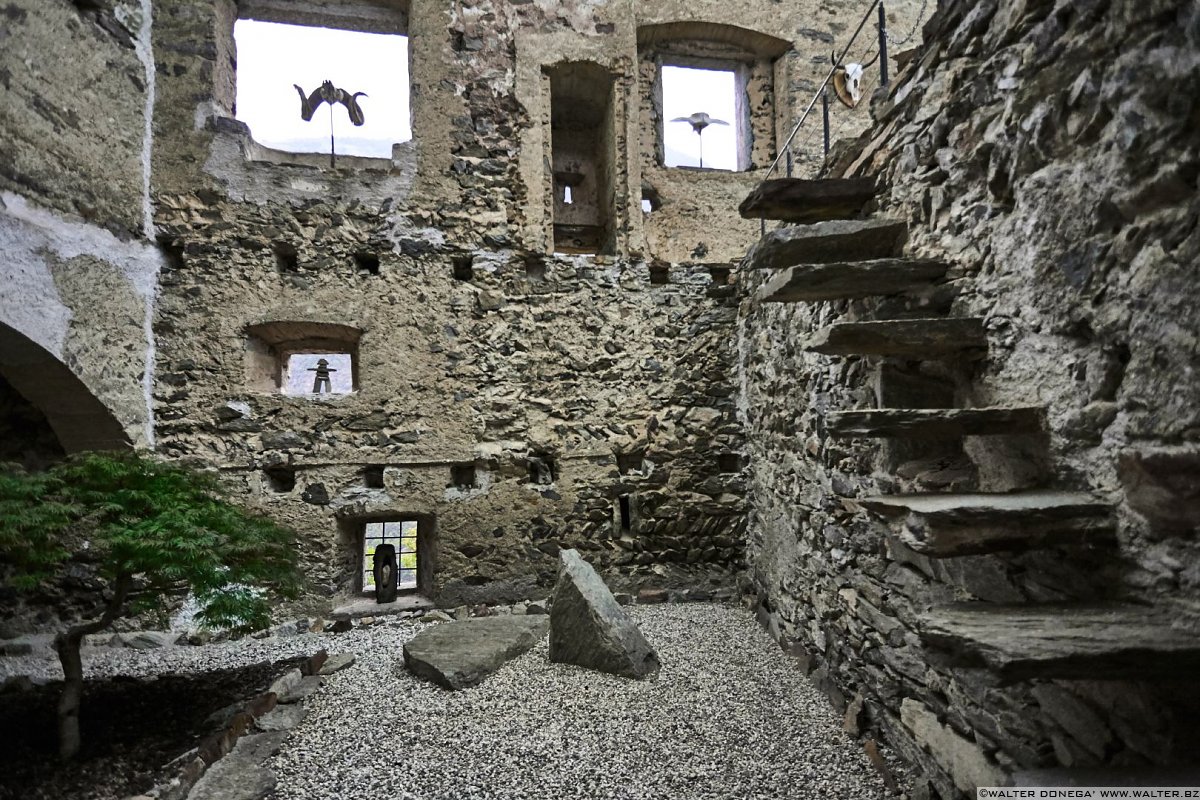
[{"x": 120, "y": 591}]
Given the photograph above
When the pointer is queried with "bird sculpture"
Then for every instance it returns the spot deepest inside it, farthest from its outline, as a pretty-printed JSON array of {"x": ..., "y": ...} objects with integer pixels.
[
  {"x": 328, "y": 93},
  {"x": 699, "y": 121}
]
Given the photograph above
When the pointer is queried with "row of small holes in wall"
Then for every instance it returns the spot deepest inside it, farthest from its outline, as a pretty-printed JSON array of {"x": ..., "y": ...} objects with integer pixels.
[
  {"x": 542, "y": 471},
  {"x": 464, "y": 269},
  {"x": 287, "y": 259}
]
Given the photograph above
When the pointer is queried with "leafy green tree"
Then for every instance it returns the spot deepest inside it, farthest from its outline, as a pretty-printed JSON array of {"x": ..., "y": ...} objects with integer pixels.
[{"x": 149, "y": 528}]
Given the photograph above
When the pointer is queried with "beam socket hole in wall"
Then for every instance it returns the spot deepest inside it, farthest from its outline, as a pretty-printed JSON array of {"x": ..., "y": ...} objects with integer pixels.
[
  {"x": 280, "y": 479},
  {"x": 277, "y": 48},
  {"x": 535, "y": 268},
  {"x": 463, "y": 476},
  {"x": 287, "y": 257},
  {"x": 463, "y": 266},
  {"x": 372, "y": 476},
  {"x": 367, "y": 262},
  {"x": 729, "y": 462},
  {"x": 651, "y": 201},
  {"x": 404, "y": 536},
  {"x": 172, "y": 252},
  {"x": 543, "y": 471},
  {"x": 660, "y": 274},
  {"x": 633, "y": 461},
  {"x": 701, "y": 122}
]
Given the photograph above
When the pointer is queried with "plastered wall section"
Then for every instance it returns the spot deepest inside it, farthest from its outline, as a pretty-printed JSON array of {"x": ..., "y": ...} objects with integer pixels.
[{"x": 72, "y": 101}]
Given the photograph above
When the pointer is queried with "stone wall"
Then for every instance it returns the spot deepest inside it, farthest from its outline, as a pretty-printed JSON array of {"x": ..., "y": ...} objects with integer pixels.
[
  {"x": 477, "y": 346},
  {"x": 1047, "y": 151}
]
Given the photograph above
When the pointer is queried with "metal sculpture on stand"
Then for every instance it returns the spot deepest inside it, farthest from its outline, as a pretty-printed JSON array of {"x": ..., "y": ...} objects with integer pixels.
[
  {"x": 699, "y": 121},
  {"x": 384, "y": 572},
  {"x": 321, "y": 379},
  {"x": 328, "y": 93}
]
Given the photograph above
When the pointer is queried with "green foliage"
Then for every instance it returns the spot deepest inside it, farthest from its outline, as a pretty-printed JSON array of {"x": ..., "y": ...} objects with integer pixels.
[{"x": 163, "y": 524}]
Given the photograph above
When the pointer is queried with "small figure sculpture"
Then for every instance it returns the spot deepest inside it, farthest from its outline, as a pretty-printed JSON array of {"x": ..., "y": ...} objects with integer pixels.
[
  {"x": 322, "y": 377},
  {"x": 699, "y": 121},
  {"x": 328, "y": 93},
  {"x": 384, "y": 572}
]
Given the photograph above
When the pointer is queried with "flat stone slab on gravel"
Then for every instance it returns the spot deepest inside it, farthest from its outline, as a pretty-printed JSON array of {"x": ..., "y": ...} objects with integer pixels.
[
  {"x": 281, "y": 718},
  {"x": 241, "y": 774},
  {"x": 336, "y": 663},
  {"x": 458, "y": 655}
]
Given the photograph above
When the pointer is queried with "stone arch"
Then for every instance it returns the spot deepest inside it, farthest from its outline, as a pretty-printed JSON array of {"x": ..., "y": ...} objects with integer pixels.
[{"x": 78, "y": 418}]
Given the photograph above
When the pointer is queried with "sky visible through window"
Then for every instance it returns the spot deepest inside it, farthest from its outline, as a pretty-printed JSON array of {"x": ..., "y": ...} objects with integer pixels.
[
  {"x": 271, "y": 57},
  {"x": 687, "y": 91},
  {"x": 301, "y": 373}
]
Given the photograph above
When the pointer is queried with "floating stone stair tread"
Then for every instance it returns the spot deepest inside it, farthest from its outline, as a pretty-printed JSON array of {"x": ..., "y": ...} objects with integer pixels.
[
  {"x": 1020, "y": 643},
  {"x": 916, "y": 339},
  {"x": 933, "y": 423},
  {"x": 801, "y": 200},
  {"x": 810, "y": 283},
  {"x": 950, "y": 525},
  {"x": 825, "y": 242}
]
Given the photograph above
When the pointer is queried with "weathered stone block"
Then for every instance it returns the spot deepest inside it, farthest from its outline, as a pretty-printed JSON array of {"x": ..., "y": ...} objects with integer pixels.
[{"x": 589, "y": 628}]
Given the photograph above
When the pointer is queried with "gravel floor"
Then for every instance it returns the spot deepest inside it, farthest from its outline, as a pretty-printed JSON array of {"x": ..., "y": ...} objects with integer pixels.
[{"x": 729, "y": 716}]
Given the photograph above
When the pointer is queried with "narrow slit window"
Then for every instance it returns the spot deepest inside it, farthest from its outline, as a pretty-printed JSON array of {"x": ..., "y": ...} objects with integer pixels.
[
  {"x": 625, "y": 512},
  {"x": 401, "y": 534},
  {"x": 700, "y": 118},
  {"x": 567, "y": 195},
  {"x": 273, "y": 58}
]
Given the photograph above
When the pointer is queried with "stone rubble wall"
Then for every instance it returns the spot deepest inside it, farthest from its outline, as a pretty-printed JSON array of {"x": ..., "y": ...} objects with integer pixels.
[
  {"x": 582, "y": 359},
  {"x": 1048, "y": 151}
]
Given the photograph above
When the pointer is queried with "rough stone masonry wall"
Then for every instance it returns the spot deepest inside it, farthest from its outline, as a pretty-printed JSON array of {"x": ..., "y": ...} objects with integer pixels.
[
  {"x": 1048, "y": 150},
  {"x": 572, "y": 359}
]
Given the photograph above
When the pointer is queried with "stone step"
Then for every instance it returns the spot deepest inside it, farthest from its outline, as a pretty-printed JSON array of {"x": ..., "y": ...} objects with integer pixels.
[
  {"x": 933, "y": 423},
  {"x": 950, "y": 525},
  {"x": 810, "y": 283},
  {"x": 915, "y": 339},
  {"x": 826, "y": 242},
  {"x": 801, "y": 200},
  {"x": 1017, "y": 643}
]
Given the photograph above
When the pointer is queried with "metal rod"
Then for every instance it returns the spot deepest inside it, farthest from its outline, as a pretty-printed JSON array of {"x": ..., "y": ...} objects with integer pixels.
[
  {"x": 825, "y": 116},
  {"x": 787, "y": 143},
  {"x": 332, "y": 162},
  {"x": 883, "y": 61}
]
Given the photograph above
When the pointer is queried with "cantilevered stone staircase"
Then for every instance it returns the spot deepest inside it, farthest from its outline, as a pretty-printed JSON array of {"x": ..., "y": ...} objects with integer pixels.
[{"x": 833, "y": 253}]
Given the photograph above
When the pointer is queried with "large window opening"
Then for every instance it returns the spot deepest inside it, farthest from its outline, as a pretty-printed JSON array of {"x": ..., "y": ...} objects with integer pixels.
[
  {"x": 273, "y": 58},
  {"x": 583, "y": 151},
  {"x": 400, "y": 534},
  {"x": 702, "y": 117}
]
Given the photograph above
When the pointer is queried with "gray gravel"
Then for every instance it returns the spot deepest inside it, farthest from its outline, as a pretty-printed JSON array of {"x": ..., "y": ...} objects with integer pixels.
[{"x": 729, "y": 716}]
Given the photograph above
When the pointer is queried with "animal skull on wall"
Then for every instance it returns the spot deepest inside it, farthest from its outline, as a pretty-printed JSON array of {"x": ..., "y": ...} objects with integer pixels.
[{"x": 847, "y": 84}]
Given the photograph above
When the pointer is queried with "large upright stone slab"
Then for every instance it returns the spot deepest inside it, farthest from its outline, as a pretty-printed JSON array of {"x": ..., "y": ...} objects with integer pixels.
[
  {"x": 589, "y": 628},
  {"x": 458, "y": 655}
]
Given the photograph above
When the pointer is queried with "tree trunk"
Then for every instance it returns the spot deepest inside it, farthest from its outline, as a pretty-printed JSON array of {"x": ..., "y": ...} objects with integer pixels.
[{"x": 68, "y": 645}]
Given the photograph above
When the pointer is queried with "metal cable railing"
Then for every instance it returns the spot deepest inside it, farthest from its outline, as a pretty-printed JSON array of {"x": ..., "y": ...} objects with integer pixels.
[{"x": 822, "y": 93}]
